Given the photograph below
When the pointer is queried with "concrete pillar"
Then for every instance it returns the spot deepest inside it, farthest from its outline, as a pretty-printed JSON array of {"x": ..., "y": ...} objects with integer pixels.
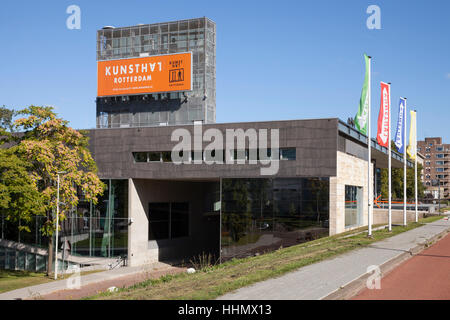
[{"x": 138, "y": 252}]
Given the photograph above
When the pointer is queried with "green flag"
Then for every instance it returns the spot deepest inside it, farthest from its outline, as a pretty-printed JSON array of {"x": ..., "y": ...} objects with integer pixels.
[{"x": 362, "y": 115}]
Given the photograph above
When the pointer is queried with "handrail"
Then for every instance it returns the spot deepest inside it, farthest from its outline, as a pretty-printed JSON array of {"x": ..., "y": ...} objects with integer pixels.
[{"x": 352, "y": 132}]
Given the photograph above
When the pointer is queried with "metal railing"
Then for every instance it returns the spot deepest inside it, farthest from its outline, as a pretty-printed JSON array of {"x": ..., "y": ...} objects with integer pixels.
[{"x": 352, "y": 132}]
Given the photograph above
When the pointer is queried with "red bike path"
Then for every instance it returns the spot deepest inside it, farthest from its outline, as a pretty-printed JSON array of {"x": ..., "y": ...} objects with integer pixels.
[{"x": 425, "y": 276}]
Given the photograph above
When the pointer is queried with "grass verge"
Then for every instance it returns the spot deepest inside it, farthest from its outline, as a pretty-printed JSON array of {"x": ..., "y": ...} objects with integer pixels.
[
  {"x": 15, "y": 279},
  {"x": 215, "y": 281},
  {"x": 12, "y": 280}
]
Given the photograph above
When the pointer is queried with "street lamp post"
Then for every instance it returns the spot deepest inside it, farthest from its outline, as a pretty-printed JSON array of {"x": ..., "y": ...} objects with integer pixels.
[
  {"x": 439, "y": 196},
  {"x": 57, "y": 227}
]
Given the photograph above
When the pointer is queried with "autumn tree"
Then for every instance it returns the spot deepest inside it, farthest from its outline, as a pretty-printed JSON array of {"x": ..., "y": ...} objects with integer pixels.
[{"x": 50, "y": 147}]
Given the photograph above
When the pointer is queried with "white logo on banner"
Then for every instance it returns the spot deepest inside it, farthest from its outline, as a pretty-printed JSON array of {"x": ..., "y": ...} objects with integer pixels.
[{"x": 385, "y": 121}]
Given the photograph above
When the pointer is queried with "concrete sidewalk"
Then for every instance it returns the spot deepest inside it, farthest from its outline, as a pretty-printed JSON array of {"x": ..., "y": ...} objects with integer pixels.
[
  {"x": 53, "y": 286},
  {"x": 327, "y": 278}
]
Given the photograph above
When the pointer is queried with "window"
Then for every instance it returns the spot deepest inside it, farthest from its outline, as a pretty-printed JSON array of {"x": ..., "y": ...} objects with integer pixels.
[
  {"x": 158, "y": 217},
  {"x": 353, "y": 205},
  {"x": 265, "y": 154},
  {"x": 184, "y": 156},
  {"x": 154, "y": 156},
  {"x": 179, "y": 220},
  {"x": 439, "y": 148},
  {"x": 427, "y": 163},
  {"x": 440, "y": 155},
  {"x": 174, "y": 95},
  {"x": 428, "y": 156},
  {"x": 440, "y": 163},
  {"x": 197, "y": 155},
  {"x": 140, "y": 156},
  {"x": 103, "y": 120},
  {"x": 287, "y": 154},
  {"x": 239, "y": 154},
  {"x": 439, "y": 169},
  {"x": 168, "y": 220},
  {"x": 166, "y": 156},
  {"x": 440, "y": 176},
  {"x": 214, "y": 155}
]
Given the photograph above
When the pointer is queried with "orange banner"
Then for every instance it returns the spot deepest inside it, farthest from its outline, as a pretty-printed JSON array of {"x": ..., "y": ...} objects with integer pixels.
[{"x": 163, "y": 73}]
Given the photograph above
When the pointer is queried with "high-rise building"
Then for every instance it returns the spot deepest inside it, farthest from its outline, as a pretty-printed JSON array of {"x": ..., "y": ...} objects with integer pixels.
[
  {"x": 195, "y": 36},
  {"x": 436, "y": 170}
]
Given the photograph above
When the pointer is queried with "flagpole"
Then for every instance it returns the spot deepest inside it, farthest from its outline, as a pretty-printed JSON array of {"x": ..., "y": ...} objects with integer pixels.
[
  {"x": 404, "y": 163},
  {"x": 415, "y": 165},
  {"x": 369, "y": 182},
  {"x": 389, "y": 161}
]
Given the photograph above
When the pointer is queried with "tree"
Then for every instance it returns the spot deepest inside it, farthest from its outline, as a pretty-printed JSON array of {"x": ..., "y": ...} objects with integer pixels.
[
  {"x": 6, "y": 124},
  {"x": 50, "y": 146},
  {"x": 397, "y": 183},
  {"x": 20, "y": 200}
]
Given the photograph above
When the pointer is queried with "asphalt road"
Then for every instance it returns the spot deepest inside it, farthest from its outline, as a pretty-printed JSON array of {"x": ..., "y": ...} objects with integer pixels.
[{"x": 425, "y": 276}]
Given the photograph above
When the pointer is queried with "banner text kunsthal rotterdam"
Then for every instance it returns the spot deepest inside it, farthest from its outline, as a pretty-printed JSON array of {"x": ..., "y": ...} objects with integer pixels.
[
  {"x": 144, "y": 75},
  {"x": 156, "y": 91}
]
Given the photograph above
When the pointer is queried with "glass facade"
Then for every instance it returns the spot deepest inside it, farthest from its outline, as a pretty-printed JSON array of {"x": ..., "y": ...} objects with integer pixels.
[
  {"x": 99, "y": 230},
  {"x": 89, "y": 230},
  {"x": 168, "y": 220},
  {"x": 11, "y": 259},
  {"x": 353, "y": 206},
  {"x": 260, "y": 215},
  {"x": 195, "y": 35}
]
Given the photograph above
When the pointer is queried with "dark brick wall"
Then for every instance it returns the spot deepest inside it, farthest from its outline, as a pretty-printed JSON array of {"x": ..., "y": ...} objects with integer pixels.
[{"x": 315, "y": 142}]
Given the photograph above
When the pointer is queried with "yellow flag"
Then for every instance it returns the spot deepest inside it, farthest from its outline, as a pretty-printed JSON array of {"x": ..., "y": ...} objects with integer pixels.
[{"x": 412, "y": 147}]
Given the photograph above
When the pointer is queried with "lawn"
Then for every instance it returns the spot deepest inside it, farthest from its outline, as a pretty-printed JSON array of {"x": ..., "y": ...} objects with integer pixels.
[
  {"x": 443, "y": 210},
  {"x": 215, "y": 281},
  {"x": 11, "y": 280},
  {"x": 15, "y": 279}
]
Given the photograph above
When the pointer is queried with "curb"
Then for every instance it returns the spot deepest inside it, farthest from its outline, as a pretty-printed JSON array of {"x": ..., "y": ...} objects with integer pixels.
[{"x": 354, "y": 287}]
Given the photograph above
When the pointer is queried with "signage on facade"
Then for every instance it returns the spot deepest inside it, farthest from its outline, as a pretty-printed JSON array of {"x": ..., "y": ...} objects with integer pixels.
[{"x": 154, "y": 74}]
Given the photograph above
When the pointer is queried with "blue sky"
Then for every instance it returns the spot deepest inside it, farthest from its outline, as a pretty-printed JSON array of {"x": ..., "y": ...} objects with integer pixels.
[{"x": 275, "y": 60}]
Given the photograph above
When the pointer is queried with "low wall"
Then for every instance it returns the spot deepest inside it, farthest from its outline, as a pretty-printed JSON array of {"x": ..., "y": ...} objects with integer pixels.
[
  {"x": 380, "y": 216},
  {"x": 22, "y": 247}
]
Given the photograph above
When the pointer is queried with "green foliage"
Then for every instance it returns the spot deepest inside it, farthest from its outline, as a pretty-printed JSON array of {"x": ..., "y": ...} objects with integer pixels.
[
  {"x": 237, "y": 211},
  {"x": 6, "y": 124},
  {"x": 19, "y": 197},
  {"x": 50, "y": 146},
  {"x": 47, "y": 147},
  {"x": 397, "y": 183}
]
